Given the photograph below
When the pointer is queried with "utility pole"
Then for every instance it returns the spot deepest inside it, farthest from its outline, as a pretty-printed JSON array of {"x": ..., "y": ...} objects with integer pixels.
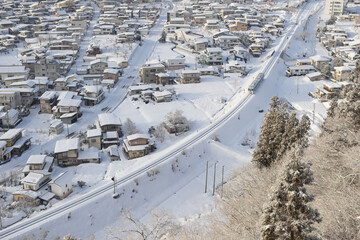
[
  {"x": 214, "y": 179},
  {"x": 67, "y": 128},
  {"x": 206, "y": 175},
  {"x": 113, "y": 178},
  {"x": 297, "y": 85},
  {"x": 313, "y": 117},
  {"x": 222, "y": 181}
]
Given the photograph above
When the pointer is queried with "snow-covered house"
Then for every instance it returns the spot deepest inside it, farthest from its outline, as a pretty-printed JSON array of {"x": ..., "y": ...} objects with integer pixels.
[
  {"x": 38, "y": 163},
  {"x": 94, "y": 137},
  {"x": 299, "y": 70},
  {"x": 35, "y": 180},
  {"x": 235, "y": 66},
  {"x": 212, "y": 56},
  {"x": 319, "y": 62},
  {"x": 110, "y": 138},
  {"x": 61, "y": 185},
  {"x": 112, "y": 74},
  {"x": 91, "y": 155},
  {"x": 114, "y": 153},
  {"x": 109, "y": 122},
  {"x": 175, "y": 63},
  {"x": 148, "y": 72},
  {"x": 98, "y": 66},
  {"x": 69, "y": 103},
  {"x": 47, "y": 101},
  {"x": 5, "y": 153},
  {"x": 163, "y": 96},
  {"x": 190, "y": 76},
  {"x": 67, "y": 151},
  {"x": 92, "y": 95},
  {"x": 137, "y": 145},
  {"x": 56, "y": 127},
  {"x": 343, "y": 73},
  {"x": 10, "y": 118}
]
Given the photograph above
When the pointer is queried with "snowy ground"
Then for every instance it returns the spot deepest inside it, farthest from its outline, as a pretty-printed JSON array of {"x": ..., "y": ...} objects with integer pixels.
[{"x": 182, "y": 180}]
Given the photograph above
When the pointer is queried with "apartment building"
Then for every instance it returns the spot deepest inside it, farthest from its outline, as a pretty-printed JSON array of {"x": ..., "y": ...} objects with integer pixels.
[{"x": 334, "y": 7}]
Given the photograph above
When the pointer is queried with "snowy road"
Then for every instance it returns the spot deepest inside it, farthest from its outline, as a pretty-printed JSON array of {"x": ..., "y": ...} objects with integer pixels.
[{"x": 232, "y": 110}]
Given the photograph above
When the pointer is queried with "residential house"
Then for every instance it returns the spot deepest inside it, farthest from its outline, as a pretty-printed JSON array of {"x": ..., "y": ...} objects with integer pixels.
[
  {"x": 10, "y": 118},
  {"x": 47, "y": 67},
  {"x": 61, "y": 185},
  {"x": 112, "y": 74},
  {"x": 314, "y": 76},
  {"x": 56, "y": 127},
  {"x": 98, "y": 66},
  {"x": 175, "y": 64},
  {"x": 11, "y": 136},
  {"x": 92, "y": 95},
  {"x": 91, "y": 155},
  {"x": 114, "y": 153},
  {"x": 190, "y": 76},
  {"x": 320, "y": 62},
  {"x": 109, "y": 122},
  {"x": 110, "y": 138},
  {"x": 165, "y": 78},
  {"x": 47, "y": 101},
  {"x": 343, "y": 73},
  {"x": 5, "y": 153},
  {"x": 67, "y": 151},
  {"x": 137, "y": 145},
  {"x": 227, "y": 42},
  {"x": 13, "y": 71},
  {"x": 212, "y": 56},
  {"x": 69, "y": 103},
  {"x": 137, "y": 89},
  {"x": 301, "y": 62},
  {"x": 163, "y": 96},
  {"x": 38, "y": 163},
  {"x": 235, "y": 66},
  {"x": 148, "y": 72},
  {"x": 238, "y": 26},
  {"x": 35, "y": 180},
  {"x": 328, "y": 91},
  {"x": 299, "y": 70},
  {"x": 94, "y": 137}
]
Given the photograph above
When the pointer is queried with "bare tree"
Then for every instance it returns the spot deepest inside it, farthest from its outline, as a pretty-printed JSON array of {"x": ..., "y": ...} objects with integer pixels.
[
  {"x": 27, "y": 205},
  {"x": 160, "y": 132},
  {"x": 161, "y": 225},
  {"x": 130, "y": 127}
]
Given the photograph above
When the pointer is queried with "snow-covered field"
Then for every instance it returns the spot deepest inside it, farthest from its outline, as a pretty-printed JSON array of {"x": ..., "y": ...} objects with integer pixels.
[{"x": 176, "y": 186}]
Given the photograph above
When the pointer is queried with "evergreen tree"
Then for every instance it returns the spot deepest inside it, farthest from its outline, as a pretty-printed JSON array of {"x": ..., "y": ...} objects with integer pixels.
[
  {"x": 288, "y": 215},
  {"x": 269, "y": 148},
  {"x": 290, "y": 134},
  {"x": 331, "y": 110},
  {"x": 303, "y": 131}
]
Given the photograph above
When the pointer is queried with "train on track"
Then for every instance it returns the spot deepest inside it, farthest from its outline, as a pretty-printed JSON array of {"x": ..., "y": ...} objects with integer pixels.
[{"x": 255, "y": 84}]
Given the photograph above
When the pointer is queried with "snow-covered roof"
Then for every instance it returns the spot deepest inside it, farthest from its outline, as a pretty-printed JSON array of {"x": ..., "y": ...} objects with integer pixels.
[
  {"x": 111, "y": 134},
  {"x": 137, "y": 136},
  {"x": 91, "y": 153},
  {"x": 66, "y": 102},
  {"x": 93, "y": 133},
  {"x": 36, "y": 159},
  {"x": 111, "y": 71},
  {"x": 92, "y": 89},
  {"x": 65, "y": 145},
  {"x": 313, "y": 74},
  {"x": 11, "y": 133},
  {"x": 48, "y": 95},
  {"x": 319, "y": 58},
  {"x": 164, "y": 93},
  {"x": 108, "y": 119},
  {"x": 62, "y": 179},
  {"x": 34, "y": 177}
]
